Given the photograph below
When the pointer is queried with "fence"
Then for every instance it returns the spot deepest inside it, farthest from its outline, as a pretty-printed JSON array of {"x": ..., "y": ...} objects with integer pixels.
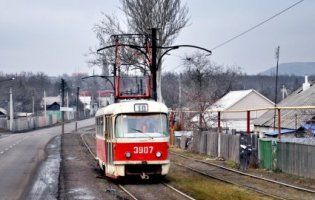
[
  {"x": 214, "y": 144},
  {"x": 3, "y": 123},
  {"x": 31, "y": 123},
  {"x": 290, "y": 157},
  {"x": 226, "y": 146}
]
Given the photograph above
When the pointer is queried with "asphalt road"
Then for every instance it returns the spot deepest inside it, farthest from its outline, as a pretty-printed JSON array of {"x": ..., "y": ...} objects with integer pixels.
[{"x": 20, "y": 156}]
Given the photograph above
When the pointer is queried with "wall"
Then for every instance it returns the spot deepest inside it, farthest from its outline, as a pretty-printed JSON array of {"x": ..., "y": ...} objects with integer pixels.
[
  {"x": 252, "y": 100},
  {"x": 31, "y": 123}
]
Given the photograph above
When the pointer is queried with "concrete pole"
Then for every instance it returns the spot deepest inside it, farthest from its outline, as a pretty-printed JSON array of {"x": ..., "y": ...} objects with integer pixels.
[
  {"x": 33, "y": 102},
  {"x": 45, "y": 104},
  {"x": 99, "y": 99},
  {"x": 67, "y": 105},
  {"x": 84, "y": 105},
  {"x": 11, "y": 110},
  {"x": 77, "y": 111}
]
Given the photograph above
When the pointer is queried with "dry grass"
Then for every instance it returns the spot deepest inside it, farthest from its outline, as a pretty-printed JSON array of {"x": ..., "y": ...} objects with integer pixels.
[{"x": 201, "y": 187}]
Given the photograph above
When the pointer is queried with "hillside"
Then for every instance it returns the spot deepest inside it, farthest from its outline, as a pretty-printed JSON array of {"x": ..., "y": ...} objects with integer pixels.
[{"x": 293, "y": 68}]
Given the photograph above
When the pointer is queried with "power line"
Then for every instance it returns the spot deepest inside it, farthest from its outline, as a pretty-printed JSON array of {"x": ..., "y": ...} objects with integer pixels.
[
  {"x": 256, "y": 26},
  {"x": 250, "y": 29}
]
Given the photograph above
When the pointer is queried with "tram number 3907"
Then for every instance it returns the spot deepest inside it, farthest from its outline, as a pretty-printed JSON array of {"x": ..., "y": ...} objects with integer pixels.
[{"x": 143, "y": 150}]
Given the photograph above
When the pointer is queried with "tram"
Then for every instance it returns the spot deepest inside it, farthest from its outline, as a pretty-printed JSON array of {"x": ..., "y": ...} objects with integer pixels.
[{"x": 132, "y": 139}]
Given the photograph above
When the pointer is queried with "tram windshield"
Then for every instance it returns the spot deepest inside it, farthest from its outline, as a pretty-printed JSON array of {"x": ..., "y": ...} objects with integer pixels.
[{"x": 140, "y": 126}]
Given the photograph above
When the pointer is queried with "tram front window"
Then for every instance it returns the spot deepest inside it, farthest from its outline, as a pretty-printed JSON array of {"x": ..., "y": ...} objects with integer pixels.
[{"x": 140, "y": 126}]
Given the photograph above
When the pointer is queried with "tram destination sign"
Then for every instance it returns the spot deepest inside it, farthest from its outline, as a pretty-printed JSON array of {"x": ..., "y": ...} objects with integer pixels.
[{"x": 141, "y": 107}]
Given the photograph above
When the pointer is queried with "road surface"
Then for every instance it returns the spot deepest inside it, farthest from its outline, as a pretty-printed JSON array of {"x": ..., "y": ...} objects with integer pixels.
[{"x": 20, "y": 156}]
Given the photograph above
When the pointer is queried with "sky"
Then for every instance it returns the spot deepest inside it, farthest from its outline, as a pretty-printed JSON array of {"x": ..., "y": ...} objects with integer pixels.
[{"x": 54, "y": 36}]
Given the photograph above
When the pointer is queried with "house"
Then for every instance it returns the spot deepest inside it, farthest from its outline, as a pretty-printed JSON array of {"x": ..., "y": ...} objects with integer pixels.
[
  {"x": 86, "y": 98},
  {"x": 241, "y": 100},
  {"x": 52, "y": 103},
  {"x": 3, "y": 113},
  {"x": 105, "y": 97},
  {"x": 293, "y": 119}
]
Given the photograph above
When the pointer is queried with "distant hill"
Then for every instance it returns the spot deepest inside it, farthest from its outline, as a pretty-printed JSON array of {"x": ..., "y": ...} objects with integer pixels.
[{"x": 293, "y": 68}]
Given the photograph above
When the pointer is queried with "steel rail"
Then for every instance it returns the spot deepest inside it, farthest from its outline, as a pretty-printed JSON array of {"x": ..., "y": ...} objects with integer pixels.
[
  {"x": 247, "y": 174},
  {"x": 127, "y": 192},
  {"x": 123, "y": 188},
  {"x": 230, "y": 182},
  {"x": 87, "y": 146},
  {"x": 89, "y": 149},
  {"x": 178, "y": 191}
]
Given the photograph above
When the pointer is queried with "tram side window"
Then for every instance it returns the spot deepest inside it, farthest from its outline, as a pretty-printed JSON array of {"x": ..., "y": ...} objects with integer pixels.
[
  {"x": 99, "y": 126},
  {"x": 108, "y": 125}
]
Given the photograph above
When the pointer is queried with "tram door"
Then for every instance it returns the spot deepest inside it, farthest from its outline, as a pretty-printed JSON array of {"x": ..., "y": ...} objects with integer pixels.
[{"x": 108, "y": 140}]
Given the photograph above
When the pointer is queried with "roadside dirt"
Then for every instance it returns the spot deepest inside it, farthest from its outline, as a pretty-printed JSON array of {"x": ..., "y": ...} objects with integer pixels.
[{"x": 79, "y": 176}]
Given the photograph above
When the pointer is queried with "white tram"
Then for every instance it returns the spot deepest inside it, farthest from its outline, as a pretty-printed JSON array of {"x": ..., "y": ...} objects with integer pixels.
[{"x": 132, "y": 139}]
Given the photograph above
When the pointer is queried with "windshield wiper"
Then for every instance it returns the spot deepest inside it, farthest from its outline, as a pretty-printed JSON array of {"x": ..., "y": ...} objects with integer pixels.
[{"x": 139, "y": 131}]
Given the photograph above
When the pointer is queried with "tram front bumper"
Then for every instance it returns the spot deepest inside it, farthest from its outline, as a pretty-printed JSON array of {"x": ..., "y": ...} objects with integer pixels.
[{"x": 138, "y": 168}]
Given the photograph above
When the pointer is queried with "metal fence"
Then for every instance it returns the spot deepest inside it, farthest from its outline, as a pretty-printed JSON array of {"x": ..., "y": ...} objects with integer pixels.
[{"x": 290, "y": 157}]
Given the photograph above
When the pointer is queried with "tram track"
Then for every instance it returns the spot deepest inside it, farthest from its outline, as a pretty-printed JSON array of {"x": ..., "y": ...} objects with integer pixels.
[
  {"x": 261, "y": 185},
  {"x": 131, "y": 194}
]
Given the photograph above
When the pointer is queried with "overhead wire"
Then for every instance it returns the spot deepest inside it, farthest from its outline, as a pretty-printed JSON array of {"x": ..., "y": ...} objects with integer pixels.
[
  {"x": 252, "y": 28},
  {"x": 257, "y": 25}
]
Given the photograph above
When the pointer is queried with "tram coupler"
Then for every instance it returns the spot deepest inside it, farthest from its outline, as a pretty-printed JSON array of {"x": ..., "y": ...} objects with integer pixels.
[{"x": 144, "y": 176}]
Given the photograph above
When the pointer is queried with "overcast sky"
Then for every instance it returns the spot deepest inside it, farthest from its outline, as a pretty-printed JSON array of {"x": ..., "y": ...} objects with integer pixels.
[{"x": 54, "y": 36}]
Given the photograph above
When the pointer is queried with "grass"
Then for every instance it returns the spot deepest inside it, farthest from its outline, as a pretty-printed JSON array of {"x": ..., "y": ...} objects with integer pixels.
[
  {"x": 232, "y": 164},
  {"x": 201, "y": 187}
]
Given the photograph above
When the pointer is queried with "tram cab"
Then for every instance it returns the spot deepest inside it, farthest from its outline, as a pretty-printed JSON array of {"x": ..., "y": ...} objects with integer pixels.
[{"x": 132, "y": 139}]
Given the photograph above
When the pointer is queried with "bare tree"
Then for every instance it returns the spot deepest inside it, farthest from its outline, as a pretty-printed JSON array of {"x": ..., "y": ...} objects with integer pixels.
[
  {"x": 169, "y": 16},
  {"x": 204, "y": 83}
]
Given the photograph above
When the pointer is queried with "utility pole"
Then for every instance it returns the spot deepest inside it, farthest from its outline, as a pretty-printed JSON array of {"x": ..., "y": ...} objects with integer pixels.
[
  {"x": 45, "y": 109},
  {"x": 11, "y": 110},
  {"x": 276, "y": 88},
  {"x": 180, "y": 90},
  {"x": 62, "y": 105},
  {"x": 67, "y": 104},
  {"x": 181, "y": 117},
  {"x": 33, "y": 102},
  {"x": 154, "y": 64},
  {"x": 77, "y": 112}
]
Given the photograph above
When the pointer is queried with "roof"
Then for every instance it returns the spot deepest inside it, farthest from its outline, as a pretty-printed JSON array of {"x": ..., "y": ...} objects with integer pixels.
[
  {"x": 51, "y": 100},
  {"x": 3, "y": 111},
  {"x": 282, "y": 131},
  {"x": 129, "y": 106},
  {"x": 233, "y": 97},
  {"x": 229, "y": 100},
  {"x": 291, "y": 118}
]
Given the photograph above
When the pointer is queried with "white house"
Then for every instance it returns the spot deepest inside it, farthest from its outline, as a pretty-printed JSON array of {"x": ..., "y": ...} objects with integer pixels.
[{"x": 240, "y": 100}]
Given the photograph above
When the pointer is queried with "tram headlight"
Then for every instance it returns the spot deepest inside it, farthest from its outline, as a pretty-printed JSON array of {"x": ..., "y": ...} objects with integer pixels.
[
  {"x": 127, "y": 154},
  {"x": 158, "y": 154}
]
